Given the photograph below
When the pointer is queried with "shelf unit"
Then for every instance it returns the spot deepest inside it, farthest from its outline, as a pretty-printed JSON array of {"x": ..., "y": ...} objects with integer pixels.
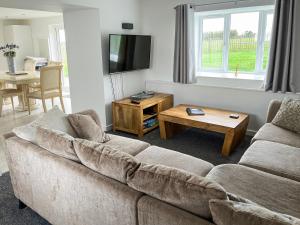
[
  {"x": 130, "y": 117},
  {"x": 147, "y": 116}
]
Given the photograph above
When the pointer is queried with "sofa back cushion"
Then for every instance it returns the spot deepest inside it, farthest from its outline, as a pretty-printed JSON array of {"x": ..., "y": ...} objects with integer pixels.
[
  {"x": 54, "y": 119},
  {"x": 177, "y": 187},
  {"x": 92, "y": 113},
  {"x": 288, "y": 116},
  {"x": 87, "y": 128},
  {"x": 105, "y": 160},
  {"x": 226, "y": 212},
  {"x": 57, "y": 142}
]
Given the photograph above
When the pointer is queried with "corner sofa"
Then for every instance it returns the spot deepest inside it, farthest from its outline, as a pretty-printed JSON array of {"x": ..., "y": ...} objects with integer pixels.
[{"x": 67, "y": 192}]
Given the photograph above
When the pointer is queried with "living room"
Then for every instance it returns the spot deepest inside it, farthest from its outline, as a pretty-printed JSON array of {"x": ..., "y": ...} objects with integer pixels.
[{"x": 234, "y": 63}]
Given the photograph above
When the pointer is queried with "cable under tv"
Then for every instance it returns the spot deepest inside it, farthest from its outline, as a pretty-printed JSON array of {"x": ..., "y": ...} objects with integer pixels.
[{"x": 137, "y": 98}]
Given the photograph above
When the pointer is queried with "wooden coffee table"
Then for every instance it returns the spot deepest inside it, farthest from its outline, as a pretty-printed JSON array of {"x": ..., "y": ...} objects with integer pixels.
[{"x": 175, "y": 119}]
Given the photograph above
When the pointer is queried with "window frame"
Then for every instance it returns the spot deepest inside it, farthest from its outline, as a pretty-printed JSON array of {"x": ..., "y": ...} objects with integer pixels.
[{"x": 226, "y": 15}]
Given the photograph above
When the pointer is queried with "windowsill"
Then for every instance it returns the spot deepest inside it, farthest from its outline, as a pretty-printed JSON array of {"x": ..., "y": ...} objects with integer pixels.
[
  {"x": 229, "y": 80},
  {"x": 221, "y": 75}
]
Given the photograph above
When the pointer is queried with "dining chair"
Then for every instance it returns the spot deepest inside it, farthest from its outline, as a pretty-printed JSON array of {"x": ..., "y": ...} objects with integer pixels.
[
  {"x": 29, "y": 65},
  {"x": 54, "y": 63},
  {"x": 10, "y": 93},
  {"x": 50, "y": 87},
  {"x": 50, "y": 63}
]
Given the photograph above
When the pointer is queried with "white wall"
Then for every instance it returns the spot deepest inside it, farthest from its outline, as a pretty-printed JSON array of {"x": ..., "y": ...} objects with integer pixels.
[
  {"x": 40, "y": 34},
  {"x": 85, "y": 63},
  {"x": 112, "y": 14},
  {"x": 158, "y": 19}
]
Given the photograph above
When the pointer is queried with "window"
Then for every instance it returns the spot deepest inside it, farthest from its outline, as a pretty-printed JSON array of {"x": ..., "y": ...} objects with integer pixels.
[{"x": 233, "y": 41}]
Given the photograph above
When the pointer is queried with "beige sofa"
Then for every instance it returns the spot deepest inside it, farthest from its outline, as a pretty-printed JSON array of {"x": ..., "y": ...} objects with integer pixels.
[{"x": 67, "y": 192}]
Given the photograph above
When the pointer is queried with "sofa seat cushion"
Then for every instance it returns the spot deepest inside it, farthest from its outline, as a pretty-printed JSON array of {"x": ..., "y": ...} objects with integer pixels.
[
  {"x": 275, "y": 158},
  {"x": 166, "y": 157},
  {"x": 273, "y": 192},
  {"x": 176, "y": 187},
  {"x": 227, "y": 212},
  {"x": 131, "y": 146},
  {"x": 105, "y": 160},
  {"x": 270, "y": 132}
]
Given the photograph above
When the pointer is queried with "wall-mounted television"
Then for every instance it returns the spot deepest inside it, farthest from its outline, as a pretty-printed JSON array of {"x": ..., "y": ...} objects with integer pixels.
[{"x": 129, "y": 52}]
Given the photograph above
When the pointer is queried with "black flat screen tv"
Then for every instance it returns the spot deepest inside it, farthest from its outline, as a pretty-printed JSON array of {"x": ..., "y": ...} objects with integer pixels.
[{"x": 129, "y": 52}]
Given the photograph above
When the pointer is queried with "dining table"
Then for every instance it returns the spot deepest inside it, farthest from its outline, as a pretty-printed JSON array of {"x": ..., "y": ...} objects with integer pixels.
[{"x": 22, "y": 80}]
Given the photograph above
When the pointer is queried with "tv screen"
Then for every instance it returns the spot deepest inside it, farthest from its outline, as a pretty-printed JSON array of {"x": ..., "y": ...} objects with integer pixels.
[{"x": 128, "y": 52}]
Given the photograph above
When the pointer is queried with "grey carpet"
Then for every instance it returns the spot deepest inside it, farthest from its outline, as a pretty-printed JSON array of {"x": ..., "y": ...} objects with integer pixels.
[
  {"x": 198, "y": 143},
  {"x": 9, "y": 212}
]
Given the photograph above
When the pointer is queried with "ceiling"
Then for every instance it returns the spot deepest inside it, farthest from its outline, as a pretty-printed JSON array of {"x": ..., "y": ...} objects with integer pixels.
[{"x": 21, "y": 14}]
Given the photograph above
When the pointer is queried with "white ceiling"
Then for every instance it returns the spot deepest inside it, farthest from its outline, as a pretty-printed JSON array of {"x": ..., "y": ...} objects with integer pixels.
[{"x": 10, "y": 13}]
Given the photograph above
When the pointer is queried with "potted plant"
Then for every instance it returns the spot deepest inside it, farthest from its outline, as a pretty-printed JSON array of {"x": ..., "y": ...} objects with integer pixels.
[{"x": 9, "y": 51}]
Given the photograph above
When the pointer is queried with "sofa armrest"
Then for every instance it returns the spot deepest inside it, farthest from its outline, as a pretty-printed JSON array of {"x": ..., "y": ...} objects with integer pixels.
[{"x": 273, "y": 109}]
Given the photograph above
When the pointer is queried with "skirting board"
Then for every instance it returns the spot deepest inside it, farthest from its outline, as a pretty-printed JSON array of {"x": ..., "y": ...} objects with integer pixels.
[{"x": 250, "y": 133}]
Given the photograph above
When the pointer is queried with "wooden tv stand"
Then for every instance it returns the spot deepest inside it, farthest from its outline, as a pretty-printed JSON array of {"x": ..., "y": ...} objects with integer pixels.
[{"x": 130, "y": 117}]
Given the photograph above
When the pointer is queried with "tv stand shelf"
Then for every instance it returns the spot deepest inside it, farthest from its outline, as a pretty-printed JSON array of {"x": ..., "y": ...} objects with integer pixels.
[{"x": 132, "y": 118}]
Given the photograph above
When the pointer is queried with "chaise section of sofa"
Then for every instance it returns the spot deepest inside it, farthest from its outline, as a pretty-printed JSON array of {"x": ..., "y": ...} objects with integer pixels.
[
  {"x": 275, "y": 158},
  {"x": 276, "y": 193},
  {"x": 273, "y": 133},
  {"x": 270, "y": 132}
]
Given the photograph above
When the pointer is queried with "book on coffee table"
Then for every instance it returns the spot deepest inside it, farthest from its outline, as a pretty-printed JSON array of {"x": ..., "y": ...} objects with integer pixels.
[{"x": 195, "y": 112}]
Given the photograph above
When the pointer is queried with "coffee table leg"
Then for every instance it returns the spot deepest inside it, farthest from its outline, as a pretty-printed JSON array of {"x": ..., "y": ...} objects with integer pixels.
[
  {"x": 228, "y": 143},
  {"x": 162, "y": 129},
  {"x": 234, "y": 137}
]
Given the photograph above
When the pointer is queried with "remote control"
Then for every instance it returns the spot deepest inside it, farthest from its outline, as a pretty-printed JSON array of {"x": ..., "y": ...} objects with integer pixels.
[{"x": 234, "y": 116}]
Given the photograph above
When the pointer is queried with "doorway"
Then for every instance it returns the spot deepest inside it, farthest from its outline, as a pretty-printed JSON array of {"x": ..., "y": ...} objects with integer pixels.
[{"x": 58, "y": 51}]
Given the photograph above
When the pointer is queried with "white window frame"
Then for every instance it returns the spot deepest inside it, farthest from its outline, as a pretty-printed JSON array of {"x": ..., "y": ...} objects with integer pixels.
[{"x": 226, "y": 15}]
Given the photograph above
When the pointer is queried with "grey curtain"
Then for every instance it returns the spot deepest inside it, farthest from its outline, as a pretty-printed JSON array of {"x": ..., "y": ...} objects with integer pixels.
[
  {"x": 184, "y": 63},
  {"x": 284, "y": 63}
]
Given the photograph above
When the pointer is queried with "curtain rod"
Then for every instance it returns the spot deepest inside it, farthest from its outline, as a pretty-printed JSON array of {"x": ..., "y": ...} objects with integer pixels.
[{"x": 217, "y": 3}]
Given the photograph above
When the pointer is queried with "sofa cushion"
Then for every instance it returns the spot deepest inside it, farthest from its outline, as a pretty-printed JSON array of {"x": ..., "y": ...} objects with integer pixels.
[
  {"x": 288, "y": 116},
  {"x": 270, "y": 132},
  {"x": 275, "y": 158},
  {"x": 131, "y": 146},
  {"x": 87, "y": 128},
  {"x": 54, "y": 119},
  {"x": 105, "y": 160},
  {"x": 166, "y": 157},
  {"x": 57, "y": 142},
  {"x": 273, "y": 192},
  {"x": 177, "y": 187},
  {"x": 92, "y": 113},
  {"x": 227, "y": 212}
]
